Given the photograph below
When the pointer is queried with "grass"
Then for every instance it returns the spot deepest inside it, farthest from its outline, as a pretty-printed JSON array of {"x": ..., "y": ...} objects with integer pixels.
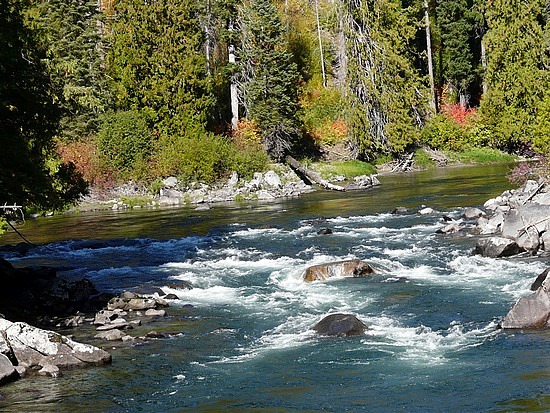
[
  {"x": 481, "y": 156},
  {"x": 137, "y": 201},
  {"x": 422, "y": 159},
  {"x": 348, "y": 169}
]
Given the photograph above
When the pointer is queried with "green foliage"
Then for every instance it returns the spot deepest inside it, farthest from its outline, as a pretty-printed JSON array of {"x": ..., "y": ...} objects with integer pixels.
[
  {"x": 541, "y": 141},
  {"x": 69, "y": 33},
  {"x": 353, "y": 168},
  {"x": 323, "y": 114},
  {"x": 269, "y": 77},
  {"x": 157, "y": 63},
  {"x": 3, "y": 226},
  {"x": 124, "y": 142},
  {"x": 206, "y": 158},
  {"x": 483, "y": 155},
  {"x": 385, "y": 106},
  {"x": 28, "y": 122},
  {"x": 137, "y": 201},
  {"x": 440, "y": 132},
  {"x": 422, "y": 159},
  {"x": 517, "y": 72},
  {"x": 455, "y": 19}
]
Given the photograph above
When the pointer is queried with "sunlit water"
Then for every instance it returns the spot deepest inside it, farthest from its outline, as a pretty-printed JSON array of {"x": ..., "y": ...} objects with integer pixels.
[{"x": 246, "y": 345}]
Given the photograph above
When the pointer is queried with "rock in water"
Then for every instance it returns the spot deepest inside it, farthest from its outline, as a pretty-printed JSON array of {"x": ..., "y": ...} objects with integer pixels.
[
  {"x": 7, "y": 371},
  {"x": 495, "y": 247},
  {"x": 540, "y": 279},
  {"x": 532, "y": 311},
  {"x": 340, "y": 325},
  {"x": 351, "y": 268}
]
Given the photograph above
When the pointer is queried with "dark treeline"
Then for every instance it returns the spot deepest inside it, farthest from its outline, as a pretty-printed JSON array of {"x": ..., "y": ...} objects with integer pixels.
[{"x": 102, "y": 91}]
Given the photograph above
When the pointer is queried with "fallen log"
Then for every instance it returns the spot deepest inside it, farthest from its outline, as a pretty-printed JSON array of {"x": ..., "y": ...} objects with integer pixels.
[{"x": 310, "y": 176}]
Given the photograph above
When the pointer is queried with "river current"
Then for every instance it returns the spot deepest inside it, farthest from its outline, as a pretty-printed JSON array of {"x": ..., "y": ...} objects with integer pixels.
[{"x": 245, "y": 345}]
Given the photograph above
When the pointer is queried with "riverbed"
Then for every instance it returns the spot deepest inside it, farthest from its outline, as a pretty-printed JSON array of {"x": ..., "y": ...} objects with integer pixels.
[{"x": 246, "y": 345}]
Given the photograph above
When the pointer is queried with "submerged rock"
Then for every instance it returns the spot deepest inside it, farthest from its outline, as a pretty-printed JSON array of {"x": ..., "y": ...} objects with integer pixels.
[
  {"x": 340, "y": 325},
  {"x": 351, "y": 268}
]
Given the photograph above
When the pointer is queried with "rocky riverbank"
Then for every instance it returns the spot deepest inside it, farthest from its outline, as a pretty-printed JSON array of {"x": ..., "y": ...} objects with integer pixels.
[
  {"x": 518, "y": 222},
  {"x": 263, "y": 187}
]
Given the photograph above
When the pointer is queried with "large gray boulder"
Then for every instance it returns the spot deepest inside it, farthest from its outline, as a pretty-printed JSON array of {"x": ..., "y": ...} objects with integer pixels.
[
  {"x": 525, "y": 216},
  {"x": 340, "y": 325},
  {"x": 7, "y": 370},
  {"x": 32, "y": 346},
  {"x": 496, "y": 247},
  {"x": 532, "y": 311},
  {"x": 351, "y": 268}
]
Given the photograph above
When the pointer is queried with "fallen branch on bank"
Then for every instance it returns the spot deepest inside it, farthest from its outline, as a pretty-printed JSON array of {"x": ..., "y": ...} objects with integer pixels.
[{"x": 309, "y": 176}]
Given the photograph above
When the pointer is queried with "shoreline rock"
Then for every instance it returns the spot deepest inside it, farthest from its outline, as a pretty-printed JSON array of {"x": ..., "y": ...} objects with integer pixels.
[
  {"x": 522, "y": 217},
  {"x": 532, "y": 311}
]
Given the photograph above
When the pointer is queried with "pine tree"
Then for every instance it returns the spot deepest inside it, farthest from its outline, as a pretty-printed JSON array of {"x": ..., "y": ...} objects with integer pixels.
[
  {"x": 28, "y": 121},
  {"x": 70, "y": 36},
  {"x": 518, "y": 69},
  {"x": 158, "y": 65},
  {"x": 269, "y": 78},
  {"x": 387, "y": 98}
]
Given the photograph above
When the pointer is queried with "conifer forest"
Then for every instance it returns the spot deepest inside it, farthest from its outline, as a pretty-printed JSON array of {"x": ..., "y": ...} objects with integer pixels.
[{"x": 94, "y": 92}]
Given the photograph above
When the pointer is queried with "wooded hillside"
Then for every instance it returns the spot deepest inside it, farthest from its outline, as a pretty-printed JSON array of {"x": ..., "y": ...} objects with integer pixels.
[{"x": 111, "y": 90}]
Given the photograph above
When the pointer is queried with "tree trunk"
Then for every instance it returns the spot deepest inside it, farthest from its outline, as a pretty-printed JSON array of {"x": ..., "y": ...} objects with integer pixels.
[
  {"x": 433, "y": 103},
  {"x": 320, "y": 44},
  {"x": 309, "y": 176},
  {"x": 234, "y": 93}
]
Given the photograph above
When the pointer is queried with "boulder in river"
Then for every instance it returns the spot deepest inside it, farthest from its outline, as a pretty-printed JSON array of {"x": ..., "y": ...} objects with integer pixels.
[
  {"x": 496, "y": 247},
  {"x": 350, "y": 268},
  {"x": 473, "y": 213},
  {"x": 532, "y": 311},
  {"x": 340, "y": 325}
]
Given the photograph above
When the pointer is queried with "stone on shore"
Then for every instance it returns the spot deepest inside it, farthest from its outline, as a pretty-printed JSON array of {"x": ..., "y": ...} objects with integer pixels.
[
  {"x": 473, "y": 213},
  {"x": 340, "y": 325},
  {"x": 351, "y": 268},
  {"x": 29, "y": 347}
]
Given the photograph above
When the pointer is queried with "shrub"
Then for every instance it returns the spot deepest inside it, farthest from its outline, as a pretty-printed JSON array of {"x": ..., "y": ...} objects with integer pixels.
[
  {"x": 322, "y": 115},
  {"x": 124, "y": 142},
  {"x": 443, "y": 133},
  {"x": 541, "y": 140},
  {"x": 83, "y": 154},
  {"x": 422, "y": 159}
]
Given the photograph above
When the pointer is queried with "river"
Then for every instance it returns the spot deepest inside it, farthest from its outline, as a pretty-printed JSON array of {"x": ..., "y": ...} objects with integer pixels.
[{"x": 245, "y": 345}]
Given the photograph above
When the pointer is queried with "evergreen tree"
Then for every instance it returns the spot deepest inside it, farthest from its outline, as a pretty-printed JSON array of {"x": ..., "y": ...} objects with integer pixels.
[
  {"x": 269, "y": 78},
  {"x": 456, "y": 29},
  {"x": 388, "y": 99},
  {"x": 518, "y": 67},
  {"x": 70, "y": 36},
  {"x": 28, "y": 121},
  {"x": 158, "y": 64}
]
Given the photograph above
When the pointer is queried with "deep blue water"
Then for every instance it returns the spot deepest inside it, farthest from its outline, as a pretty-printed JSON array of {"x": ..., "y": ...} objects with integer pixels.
[{"x": 246, "y": 345}]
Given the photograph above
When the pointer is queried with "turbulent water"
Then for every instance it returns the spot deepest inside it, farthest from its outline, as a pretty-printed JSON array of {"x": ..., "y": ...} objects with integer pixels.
[{"x": 432, "y": 308}]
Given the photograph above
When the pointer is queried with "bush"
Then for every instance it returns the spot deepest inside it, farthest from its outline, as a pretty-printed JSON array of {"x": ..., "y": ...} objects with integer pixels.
[
  {"x": 442, "y": 132},
  {"x": 124, "y": 142},
  {"x": 541, "y": 140},
  {"x": 83, "y": 154},
  {"x": 322, "y": 115}
]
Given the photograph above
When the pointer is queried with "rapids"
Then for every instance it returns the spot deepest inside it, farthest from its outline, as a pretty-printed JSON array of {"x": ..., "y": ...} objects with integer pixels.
[{"x": 246, "y": 344}]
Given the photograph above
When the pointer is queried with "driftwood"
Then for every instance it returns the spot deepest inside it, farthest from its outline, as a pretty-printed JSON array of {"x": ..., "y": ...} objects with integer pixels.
[{"x": 309, "y": 176}]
